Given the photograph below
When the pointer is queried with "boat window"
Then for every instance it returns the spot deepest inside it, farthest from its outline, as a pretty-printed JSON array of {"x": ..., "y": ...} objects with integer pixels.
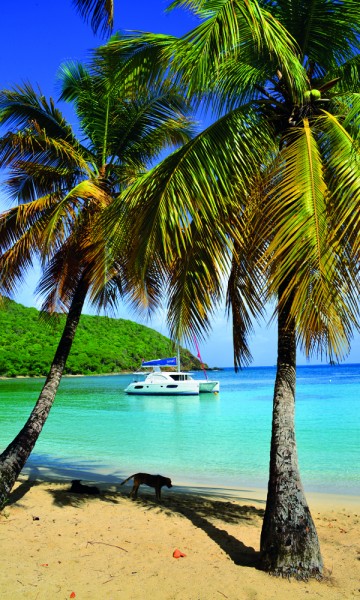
[
  {"x": 138, "y": 387},
  {"x": 180, "y": 377},
  {"x": 171, "y": 385}
]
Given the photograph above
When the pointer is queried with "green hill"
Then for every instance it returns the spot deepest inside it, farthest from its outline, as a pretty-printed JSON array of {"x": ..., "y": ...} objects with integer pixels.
[{"x": 101, "y": 345}]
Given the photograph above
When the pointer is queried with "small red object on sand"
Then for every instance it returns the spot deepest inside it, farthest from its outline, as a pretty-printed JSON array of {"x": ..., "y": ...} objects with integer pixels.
[
  {"x": 178, "y": 554},
  {"x": 72, "y": 595}
]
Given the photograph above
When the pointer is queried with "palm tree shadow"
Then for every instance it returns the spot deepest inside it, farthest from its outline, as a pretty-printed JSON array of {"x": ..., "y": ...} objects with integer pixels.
[
  {"x": 21, "y": 491},
  {"x": 240, "y": 554},
  {"x": 25, "y": 485},
  {"x": 201, "y": 511},
  {"x": 65, "y": 497}
]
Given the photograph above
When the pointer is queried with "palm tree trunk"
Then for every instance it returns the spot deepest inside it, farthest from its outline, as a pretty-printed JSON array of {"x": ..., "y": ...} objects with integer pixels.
[
  {"x": 289, "y": 543},
  {"x": 13, "y": 459}
]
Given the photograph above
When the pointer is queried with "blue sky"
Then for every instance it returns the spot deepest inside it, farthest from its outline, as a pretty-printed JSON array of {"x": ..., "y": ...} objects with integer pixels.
[{"x": 36, "y": 36}]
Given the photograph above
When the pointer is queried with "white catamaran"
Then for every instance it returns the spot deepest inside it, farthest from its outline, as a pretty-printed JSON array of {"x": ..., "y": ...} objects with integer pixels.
[{"x": 168, "y": 383}]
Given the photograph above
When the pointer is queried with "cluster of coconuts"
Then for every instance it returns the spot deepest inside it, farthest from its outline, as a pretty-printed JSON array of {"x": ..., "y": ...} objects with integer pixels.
[{"x": 312, "y": 95}]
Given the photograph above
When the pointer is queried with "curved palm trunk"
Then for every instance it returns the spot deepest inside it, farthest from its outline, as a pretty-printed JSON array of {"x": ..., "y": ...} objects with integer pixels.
[
  {"x": 289, "y": 543},
  {"x": 13, "y": 459}
]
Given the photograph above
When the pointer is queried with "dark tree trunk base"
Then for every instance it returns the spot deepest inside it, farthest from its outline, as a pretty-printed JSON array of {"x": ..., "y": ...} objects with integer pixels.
[{"x": 289, "y": 542}]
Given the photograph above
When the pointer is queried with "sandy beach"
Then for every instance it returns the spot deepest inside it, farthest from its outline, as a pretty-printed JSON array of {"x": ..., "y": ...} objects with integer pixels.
[{"x": 56, "y": 544}]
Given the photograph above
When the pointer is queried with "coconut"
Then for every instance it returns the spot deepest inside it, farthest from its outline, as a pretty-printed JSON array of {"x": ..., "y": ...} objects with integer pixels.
[{"x": 316, "y": 94}]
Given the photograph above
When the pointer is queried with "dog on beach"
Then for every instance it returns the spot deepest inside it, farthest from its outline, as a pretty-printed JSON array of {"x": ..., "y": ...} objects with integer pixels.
[
  {"x": 79, "y": 488},
  {"x": 155, "y": 481}
]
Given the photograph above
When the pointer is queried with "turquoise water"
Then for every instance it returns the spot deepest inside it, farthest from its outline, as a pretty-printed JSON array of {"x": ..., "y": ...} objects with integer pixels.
[{"x": 219, "y": 439}]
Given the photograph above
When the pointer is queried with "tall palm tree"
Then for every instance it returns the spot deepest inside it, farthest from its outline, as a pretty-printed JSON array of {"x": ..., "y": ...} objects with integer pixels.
[
  {"x": 266, "y": 197},
  {"x": 61, "y": 186}
]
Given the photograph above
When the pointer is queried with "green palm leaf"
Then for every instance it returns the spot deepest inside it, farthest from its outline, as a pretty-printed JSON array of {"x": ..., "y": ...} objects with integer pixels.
[
  {"x": 342, "y": 153},
  {"x": 301, "y": 251},
  {"x": 230, "y": 28},
  {"x": 194, "y": 185},
  {"x": 326, "y": 32}
]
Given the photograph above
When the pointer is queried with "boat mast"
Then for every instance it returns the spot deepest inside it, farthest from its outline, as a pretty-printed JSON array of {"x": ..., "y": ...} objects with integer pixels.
[
  {"x": 178, "y": 359},
  {"x": 199, "y": 356}
]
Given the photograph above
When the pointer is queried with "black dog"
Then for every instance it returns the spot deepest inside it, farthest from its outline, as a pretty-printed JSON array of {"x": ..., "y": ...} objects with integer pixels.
[
  {"x": 79, "y": 488},
  {"x": 155, "y": 481}
]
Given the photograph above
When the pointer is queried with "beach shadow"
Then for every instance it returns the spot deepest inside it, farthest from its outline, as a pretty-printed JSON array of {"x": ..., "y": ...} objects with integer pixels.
[
  {"x": 201, "y": 511},
  {"x": 64, "y": 497},
  {"x": 198, "y": 505},
  {"x": 238, "y": 552},
  {"x": 21, "y": 491},
  {"x": 18, "y": 493}
]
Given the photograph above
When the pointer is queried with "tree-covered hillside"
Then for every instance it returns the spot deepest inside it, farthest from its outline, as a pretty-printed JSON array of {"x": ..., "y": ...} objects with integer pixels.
[{"x": 102, "y": 344}]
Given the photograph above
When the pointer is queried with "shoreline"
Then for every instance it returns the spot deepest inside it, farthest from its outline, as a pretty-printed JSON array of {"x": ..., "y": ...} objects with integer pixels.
[
  {"x": 204, "y": 488},
  {"x": 195, "y": 370},
  {"x": 67, "y": 375}
]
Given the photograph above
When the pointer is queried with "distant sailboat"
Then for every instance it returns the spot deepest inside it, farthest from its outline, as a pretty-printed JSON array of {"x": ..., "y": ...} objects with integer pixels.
[{"x": 168, "y": 383}]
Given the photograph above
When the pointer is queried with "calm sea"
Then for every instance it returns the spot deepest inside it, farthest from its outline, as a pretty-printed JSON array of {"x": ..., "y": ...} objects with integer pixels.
[{"x": 213, "y": 439}]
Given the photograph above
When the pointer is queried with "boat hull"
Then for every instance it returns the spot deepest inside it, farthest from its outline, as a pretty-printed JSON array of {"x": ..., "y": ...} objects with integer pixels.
[
  {"x": 206, "y": 386},
  {"x": 169, "y": 383},
  {"x": 144, "y": 389}
]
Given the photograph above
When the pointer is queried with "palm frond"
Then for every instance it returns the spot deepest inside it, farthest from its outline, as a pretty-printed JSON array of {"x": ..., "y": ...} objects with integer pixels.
[
  {"x": 100, "y": 13},
  {"x": 241, "y": 288},
  {"x": 67, "y": 216},
  {"x": 140, "y": 59},
  {"x": 73, "y": 78},
  {"x": 195, "y": 6},
  {"x": 144, "y": 291},
  {"x": 348, "y": 73},
  {"x": 150, "y": 125},
  {"x": 195, "y": 183},
  {"x": 298, "y": 210},
  {"x": 18, "y": 259},
  {"x": 238, "y": 84},
  {"x": 327, "y": 32},
  {"x": 302, "y": 257},
  {"x": 245, "y": 297},
  {"x": 60, "y": 277},
  {"x": 195, "y": 283},
  {"x": 64, "y": 185},
  {"x": 230, "y": 29},
  {"x": 342, "y": 153},
  {"x": 131, "y": 133},
  {"x": 22, "y": 107}
]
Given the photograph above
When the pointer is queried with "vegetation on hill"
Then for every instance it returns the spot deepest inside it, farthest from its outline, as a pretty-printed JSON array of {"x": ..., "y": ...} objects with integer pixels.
[{"x": 102, "y": 345}]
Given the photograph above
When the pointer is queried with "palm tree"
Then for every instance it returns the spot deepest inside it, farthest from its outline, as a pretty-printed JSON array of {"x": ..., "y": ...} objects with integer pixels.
[
  {"x": 266, "y": 197},
  {"x": 62, "y": 185}
]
